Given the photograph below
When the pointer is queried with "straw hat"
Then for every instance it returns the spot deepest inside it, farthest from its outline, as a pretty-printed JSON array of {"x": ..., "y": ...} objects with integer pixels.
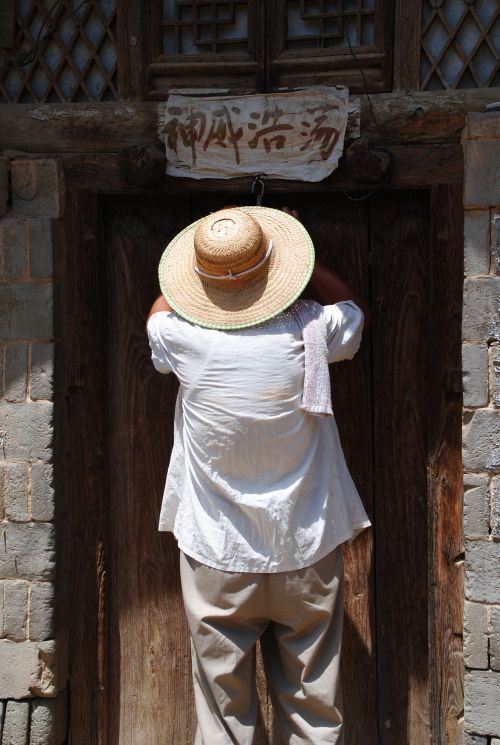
[{"x": 237, "y": 267}]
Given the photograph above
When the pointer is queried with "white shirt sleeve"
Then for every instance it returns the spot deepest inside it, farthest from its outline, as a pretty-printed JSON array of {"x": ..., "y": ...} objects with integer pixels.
[
  {"x": 344, "y": 324},
  {"x": 158, "y": 328}
]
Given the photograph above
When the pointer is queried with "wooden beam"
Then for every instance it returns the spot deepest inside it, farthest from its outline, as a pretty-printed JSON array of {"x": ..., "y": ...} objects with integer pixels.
[
  {"x": 414, "y": 165},
  {"x": 386, "y": 118},
  {"x": 89, "y": 127}
]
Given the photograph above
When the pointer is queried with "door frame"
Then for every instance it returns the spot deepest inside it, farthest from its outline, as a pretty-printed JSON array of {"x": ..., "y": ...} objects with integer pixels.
[{"x": 80, "y": 297}]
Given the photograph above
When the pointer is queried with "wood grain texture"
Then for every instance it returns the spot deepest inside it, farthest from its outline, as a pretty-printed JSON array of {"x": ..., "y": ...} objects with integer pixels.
[
  {"x": 392, "y": 118},
  {"x": 85, "y": 539},
  {"x": 367, "y": 68},
  {"x": 413, "y": 166},
  {"x": 341, "y": 233},
  {"x": 445, "y": 470},
  {"x": 134, "y": 23},
  {"x": 407, "y": 40},
  {"x": 150, "y": 677},
  {"x": 401, "y": 264}
]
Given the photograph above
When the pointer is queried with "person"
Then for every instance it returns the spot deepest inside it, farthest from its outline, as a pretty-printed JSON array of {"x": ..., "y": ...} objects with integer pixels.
[{"x": 258, "y": 494}]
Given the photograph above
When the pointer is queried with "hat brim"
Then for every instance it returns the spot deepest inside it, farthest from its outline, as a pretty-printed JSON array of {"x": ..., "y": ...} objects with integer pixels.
[{"x": 232, "y": 307}]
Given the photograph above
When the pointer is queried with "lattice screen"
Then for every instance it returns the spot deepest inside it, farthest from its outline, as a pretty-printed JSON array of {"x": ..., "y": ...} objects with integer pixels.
[
  {"x": 77, "y": 62},
  {"x": 326, "y": 24},
  {"x": 213, "y": 27},
  {"x": 460, "y": 44}
]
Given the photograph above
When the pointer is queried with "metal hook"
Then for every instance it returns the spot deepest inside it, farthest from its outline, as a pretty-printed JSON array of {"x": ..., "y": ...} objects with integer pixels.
[{"x": 258, "y": 182}]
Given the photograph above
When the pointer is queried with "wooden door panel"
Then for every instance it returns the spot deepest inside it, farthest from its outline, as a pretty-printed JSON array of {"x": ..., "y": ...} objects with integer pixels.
[
  {"x": 345, "y": 248},
  {"x": 150, "y": 696},
  {"x": 341, "y": 234},
  {"x": 339, "y": 237},
  {"x": 401, "y": 293}
]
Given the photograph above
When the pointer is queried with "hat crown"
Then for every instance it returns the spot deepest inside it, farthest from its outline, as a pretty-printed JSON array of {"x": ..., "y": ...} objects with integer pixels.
[
  {"x": 229, "y": 240},
  {"x": 240, "y": 299}
]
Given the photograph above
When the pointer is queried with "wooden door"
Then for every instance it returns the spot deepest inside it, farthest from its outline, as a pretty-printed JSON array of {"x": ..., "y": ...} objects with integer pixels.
[{"x": 399, "y": 420}]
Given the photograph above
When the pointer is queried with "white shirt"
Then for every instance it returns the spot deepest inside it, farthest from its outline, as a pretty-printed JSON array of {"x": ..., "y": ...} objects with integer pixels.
[{"x": 255, "y": 484}]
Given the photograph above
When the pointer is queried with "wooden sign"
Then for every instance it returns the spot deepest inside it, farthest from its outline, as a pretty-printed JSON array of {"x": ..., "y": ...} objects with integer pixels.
[{"x": 296, "y": 136}]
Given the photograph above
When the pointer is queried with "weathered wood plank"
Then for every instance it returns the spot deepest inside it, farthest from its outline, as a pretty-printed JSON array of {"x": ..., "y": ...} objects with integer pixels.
[
  {"x": 109, "y": 127},
  {"x": 85, "y": 534},
  {"x": 134, "y": 23},
  {"x": 341, "y": 234},
  {"x": 89, "y": 127},
  {"x": 445, "y": 469},
  {"x": 150, "y": 691},
  {"x": 413, "y": 166},
  {"x": 407, "y": 40},
  {"x": 401, "y": 264}
]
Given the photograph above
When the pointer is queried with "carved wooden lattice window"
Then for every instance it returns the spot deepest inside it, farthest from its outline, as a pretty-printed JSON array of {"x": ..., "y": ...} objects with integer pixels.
[
  {"x": 204, "y": 42},
  {"x": 460, "y": 44},
  {"x": 331, "y": 41},
  {"x": 267, "y": 44},
  {"x": 243, "y": 45},
  {"x": 205, "y": 28},
  {"x": 329, "y": 25},
  {"x": 74, "y": 57}
]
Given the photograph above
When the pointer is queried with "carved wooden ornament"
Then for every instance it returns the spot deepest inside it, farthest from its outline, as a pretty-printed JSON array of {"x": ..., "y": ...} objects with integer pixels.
[{"x": 296, "y": 136}]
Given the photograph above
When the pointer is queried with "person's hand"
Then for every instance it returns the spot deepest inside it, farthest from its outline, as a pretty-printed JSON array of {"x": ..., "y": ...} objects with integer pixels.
[{"x": 293, "y": 213}]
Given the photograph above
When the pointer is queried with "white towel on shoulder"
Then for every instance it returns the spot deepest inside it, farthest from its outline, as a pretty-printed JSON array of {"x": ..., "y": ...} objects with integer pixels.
[{"x": 316, "y": 397}]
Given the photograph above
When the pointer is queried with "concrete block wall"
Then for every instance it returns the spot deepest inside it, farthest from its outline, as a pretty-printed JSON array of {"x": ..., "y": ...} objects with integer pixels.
[
  {"x": 481, "y": 429},
  {"x": 32, "y": 654}
]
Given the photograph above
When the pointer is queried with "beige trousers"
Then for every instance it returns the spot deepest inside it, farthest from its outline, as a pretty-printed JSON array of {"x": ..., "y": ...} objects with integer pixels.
[{"x": 298, "y": 617}]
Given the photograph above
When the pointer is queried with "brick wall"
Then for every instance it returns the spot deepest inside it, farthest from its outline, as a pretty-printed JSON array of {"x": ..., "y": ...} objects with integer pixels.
[
  {"x": 32, "y": 655},
  {"x": 481, "y": 431}
]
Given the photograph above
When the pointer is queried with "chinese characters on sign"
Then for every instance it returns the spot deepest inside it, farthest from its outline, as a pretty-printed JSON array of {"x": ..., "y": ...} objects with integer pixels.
[{"x": 285, "y": 135}]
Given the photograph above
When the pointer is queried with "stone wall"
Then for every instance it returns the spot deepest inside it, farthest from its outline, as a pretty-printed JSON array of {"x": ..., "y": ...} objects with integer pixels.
[
  {"x": 481, "y": 431},
  {"x": 32, "y": 652}
]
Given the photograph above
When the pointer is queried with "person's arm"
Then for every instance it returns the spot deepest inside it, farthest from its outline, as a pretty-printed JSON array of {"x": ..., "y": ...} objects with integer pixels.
[
  {"x": 331, "y": 289},
  {"x": 159, "y": 305},
  {"x": 328, "y": 286}
]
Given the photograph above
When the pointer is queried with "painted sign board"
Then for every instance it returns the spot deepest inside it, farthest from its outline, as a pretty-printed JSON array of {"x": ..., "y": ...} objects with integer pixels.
[{"x": 297, "y": 135}]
